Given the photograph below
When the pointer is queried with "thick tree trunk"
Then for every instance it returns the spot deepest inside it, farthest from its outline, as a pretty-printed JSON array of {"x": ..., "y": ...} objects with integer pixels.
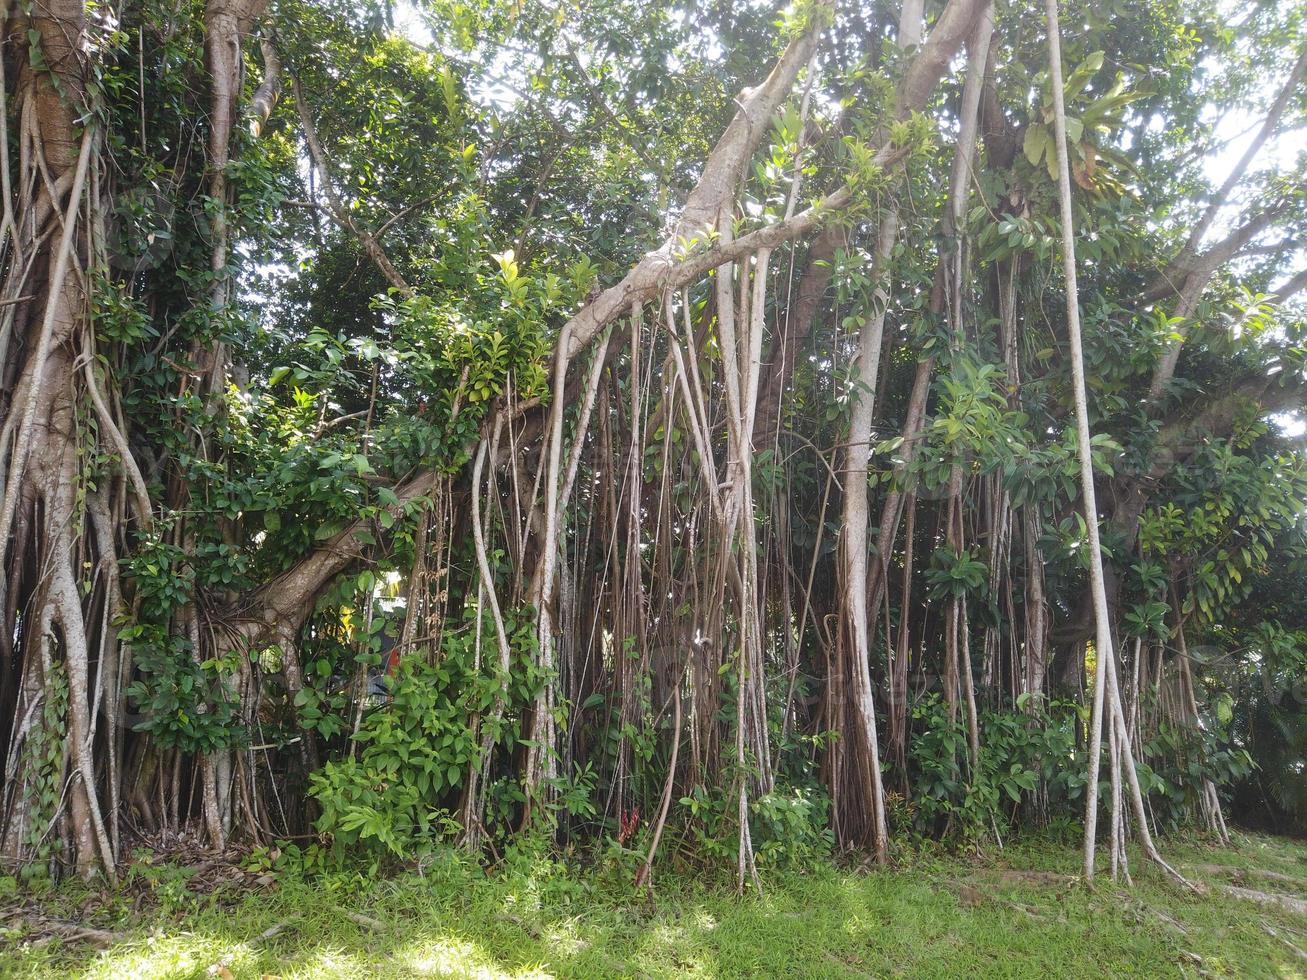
[
  {"x": 44, "y": 539},
  {"x": 865, "y": 790},
  {"x": 857, "y": 766}
]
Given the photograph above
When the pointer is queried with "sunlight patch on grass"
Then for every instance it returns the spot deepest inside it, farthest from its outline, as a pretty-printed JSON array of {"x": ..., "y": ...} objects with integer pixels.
[
  {"x": 704, "y": 920},
  {"x": 936, "y": 915},
  {"x": 452, "y": 957},
  {"x": 174, "y": 954}
]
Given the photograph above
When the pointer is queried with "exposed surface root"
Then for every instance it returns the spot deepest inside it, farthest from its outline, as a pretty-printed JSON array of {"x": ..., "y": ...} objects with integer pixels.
[{"x": 1288, "y": 903}]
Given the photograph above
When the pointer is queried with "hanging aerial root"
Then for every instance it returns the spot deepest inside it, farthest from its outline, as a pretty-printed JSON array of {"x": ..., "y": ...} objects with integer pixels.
[
  {"x": 22, "y": 438},
  {"x": 1106, "y": 687}
]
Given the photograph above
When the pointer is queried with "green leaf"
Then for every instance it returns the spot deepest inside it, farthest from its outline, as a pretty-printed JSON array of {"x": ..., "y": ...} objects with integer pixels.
[
  {"x": 1083, "y": 74},
  {"x": 1035, "y": 143}
]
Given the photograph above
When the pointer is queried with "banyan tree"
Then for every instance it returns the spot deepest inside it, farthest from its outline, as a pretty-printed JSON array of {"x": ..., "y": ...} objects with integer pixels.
[{"x": 447, "y": 421}]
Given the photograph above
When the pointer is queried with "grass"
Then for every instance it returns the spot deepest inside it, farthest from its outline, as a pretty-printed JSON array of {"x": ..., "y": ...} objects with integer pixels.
[{"x": 1013, "y": 913}]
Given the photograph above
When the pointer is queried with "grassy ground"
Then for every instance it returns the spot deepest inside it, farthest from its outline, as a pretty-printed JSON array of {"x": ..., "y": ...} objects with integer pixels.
[{"x": 1015, "y": 913}]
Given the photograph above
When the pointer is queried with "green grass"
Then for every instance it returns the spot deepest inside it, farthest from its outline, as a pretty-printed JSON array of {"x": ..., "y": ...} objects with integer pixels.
[{"x": 1013, "y": 913}]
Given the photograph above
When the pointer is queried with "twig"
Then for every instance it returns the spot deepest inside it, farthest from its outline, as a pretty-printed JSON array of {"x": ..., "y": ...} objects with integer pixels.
[
  {"x": 364, "y": 920},
  {"x": 274, "y": 931},
  {"x": 69, "y": 930}
]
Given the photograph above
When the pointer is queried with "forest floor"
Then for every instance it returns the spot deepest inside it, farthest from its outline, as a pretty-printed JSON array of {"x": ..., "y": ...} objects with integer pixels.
[{"x": 1018, "y": 912}]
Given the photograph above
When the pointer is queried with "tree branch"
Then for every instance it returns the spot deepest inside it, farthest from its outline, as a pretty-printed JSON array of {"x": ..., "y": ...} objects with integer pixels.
[
  {"x": 334, "y": 204},
  {"x": 285, "y": 601},
  {"x": 269, "y": 90},
  {"x": 1272, "y": 120}
]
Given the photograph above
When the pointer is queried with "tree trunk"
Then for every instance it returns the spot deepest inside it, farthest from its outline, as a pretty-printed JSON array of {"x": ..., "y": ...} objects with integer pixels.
[{"x": 43, "y": 528}]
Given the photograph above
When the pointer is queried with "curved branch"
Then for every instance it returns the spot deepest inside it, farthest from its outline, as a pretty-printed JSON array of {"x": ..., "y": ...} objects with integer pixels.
[{"x": 268, "y": 93}]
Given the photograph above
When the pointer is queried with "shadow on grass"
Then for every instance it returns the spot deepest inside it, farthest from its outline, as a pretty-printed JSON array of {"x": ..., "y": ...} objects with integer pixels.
[{"x": 939, "y": 918}]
